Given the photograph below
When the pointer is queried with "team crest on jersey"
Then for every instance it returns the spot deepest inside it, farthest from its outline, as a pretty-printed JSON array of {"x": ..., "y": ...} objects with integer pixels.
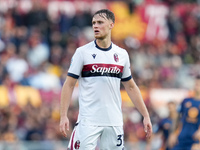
[
  {"x": 188, "y": 104},
  {"x": 77, "y": 144},
  {"x": 116, "y": 58},
  {"x": 94, "y": 55}
]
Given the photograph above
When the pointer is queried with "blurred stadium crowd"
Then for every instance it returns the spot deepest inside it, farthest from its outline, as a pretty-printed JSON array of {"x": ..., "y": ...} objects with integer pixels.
[{"x": 36, "y": 46}]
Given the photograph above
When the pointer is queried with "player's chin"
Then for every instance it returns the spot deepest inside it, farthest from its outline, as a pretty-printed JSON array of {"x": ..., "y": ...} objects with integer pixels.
[{"x": 98, "y": 37}]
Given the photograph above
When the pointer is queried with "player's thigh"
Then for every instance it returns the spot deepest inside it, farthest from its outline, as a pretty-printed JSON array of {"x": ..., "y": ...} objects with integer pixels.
[
  {"x": 84, "y": 137},
  {"x": 112, "y": 138}
]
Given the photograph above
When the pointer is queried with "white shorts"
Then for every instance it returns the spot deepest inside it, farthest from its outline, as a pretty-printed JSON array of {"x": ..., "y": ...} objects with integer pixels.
[{"x": 85, "y": 137}]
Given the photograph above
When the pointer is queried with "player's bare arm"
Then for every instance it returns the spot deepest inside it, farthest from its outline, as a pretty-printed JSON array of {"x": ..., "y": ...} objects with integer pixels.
[
  {"x": 196, "y": 135},
  {"x": 136, "y": 97},
  {"x": 66, "y": 95},
  {"x": 175, "y": 129}
]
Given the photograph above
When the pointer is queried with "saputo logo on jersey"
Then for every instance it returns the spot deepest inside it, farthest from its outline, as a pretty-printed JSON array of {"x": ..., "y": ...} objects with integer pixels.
[
  {"x": 102, "y": 70},
  {"x": 110, "y": 70}
]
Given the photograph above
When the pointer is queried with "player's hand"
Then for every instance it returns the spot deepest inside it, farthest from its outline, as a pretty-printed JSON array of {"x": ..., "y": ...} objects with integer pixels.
[
  {"x": 64, "y": 125},
  {"x": 196, "y": 135},
  {"x": 147, "y": 127},
  {"x": 172, "y": 140}
]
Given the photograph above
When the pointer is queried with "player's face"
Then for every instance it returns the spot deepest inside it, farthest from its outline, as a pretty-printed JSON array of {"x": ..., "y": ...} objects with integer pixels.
[
  {"x": 101, "y": 26},
  {"x": 197, "y": 86},
  {"x": 172, "y": 107}
]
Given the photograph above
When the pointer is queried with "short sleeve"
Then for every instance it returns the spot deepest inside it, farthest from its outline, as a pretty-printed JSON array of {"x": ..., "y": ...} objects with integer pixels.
[
  {"x": 76, "y": 65},
  {"x": 126, "y": 75}
]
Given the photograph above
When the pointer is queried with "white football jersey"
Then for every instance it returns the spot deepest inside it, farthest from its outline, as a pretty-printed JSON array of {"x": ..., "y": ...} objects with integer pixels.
[{"x": 99, "y": 72}]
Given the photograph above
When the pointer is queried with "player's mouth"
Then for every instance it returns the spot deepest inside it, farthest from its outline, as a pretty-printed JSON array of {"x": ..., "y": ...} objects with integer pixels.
[{"x": 96, "y": 31}]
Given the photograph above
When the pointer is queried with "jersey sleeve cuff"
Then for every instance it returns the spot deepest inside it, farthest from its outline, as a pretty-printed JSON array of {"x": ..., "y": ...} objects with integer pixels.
[
  {"x": 73, "y": 75},
  {"x": 126, "y": 79}
]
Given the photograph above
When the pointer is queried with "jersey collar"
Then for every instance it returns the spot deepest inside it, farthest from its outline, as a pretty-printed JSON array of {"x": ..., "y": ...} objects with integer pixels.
[{"x": 103, "y": 49}]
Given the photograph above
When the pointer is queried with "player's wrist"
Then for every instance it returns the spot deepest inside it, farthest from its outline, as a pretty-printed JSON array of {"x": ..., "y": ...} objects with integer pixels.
[
  {"x": 63, "y": 115},
  {"x": 146, "y": 116}
]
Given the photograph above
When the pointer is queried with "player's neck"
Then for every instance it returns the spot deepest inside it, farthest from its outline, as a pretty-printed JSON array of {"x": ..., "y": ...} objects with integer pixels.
[
  {"x": 197, "y": 95},
  {"x": 103, "y": 43},
  {"x": 197, "y": 98}
]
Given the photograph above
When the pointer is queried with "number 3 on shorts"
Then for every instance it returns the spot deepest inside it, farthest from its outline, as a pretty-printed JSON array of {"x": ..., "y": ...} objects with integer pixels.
[{"x": 120, "y": 140}]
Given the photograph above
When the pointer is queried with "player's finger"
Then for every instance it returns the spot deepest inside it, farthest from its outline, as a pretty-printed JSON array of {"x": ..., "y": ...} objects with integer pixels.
[
  {"x": 145, "y": 128},
  {"x": 146, "y": 131},
  {"x": 148, "y": 134},
  {"x": 67, "y": 126},
  {"x": 63, "y": 130},
  {"x": 149, "y": 131}
]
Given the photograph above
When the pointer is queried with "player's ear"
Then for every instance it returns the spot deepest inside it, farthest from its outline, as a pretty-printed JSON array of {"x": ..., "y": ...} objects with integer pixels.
[{"x": 111, "y": 25}]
